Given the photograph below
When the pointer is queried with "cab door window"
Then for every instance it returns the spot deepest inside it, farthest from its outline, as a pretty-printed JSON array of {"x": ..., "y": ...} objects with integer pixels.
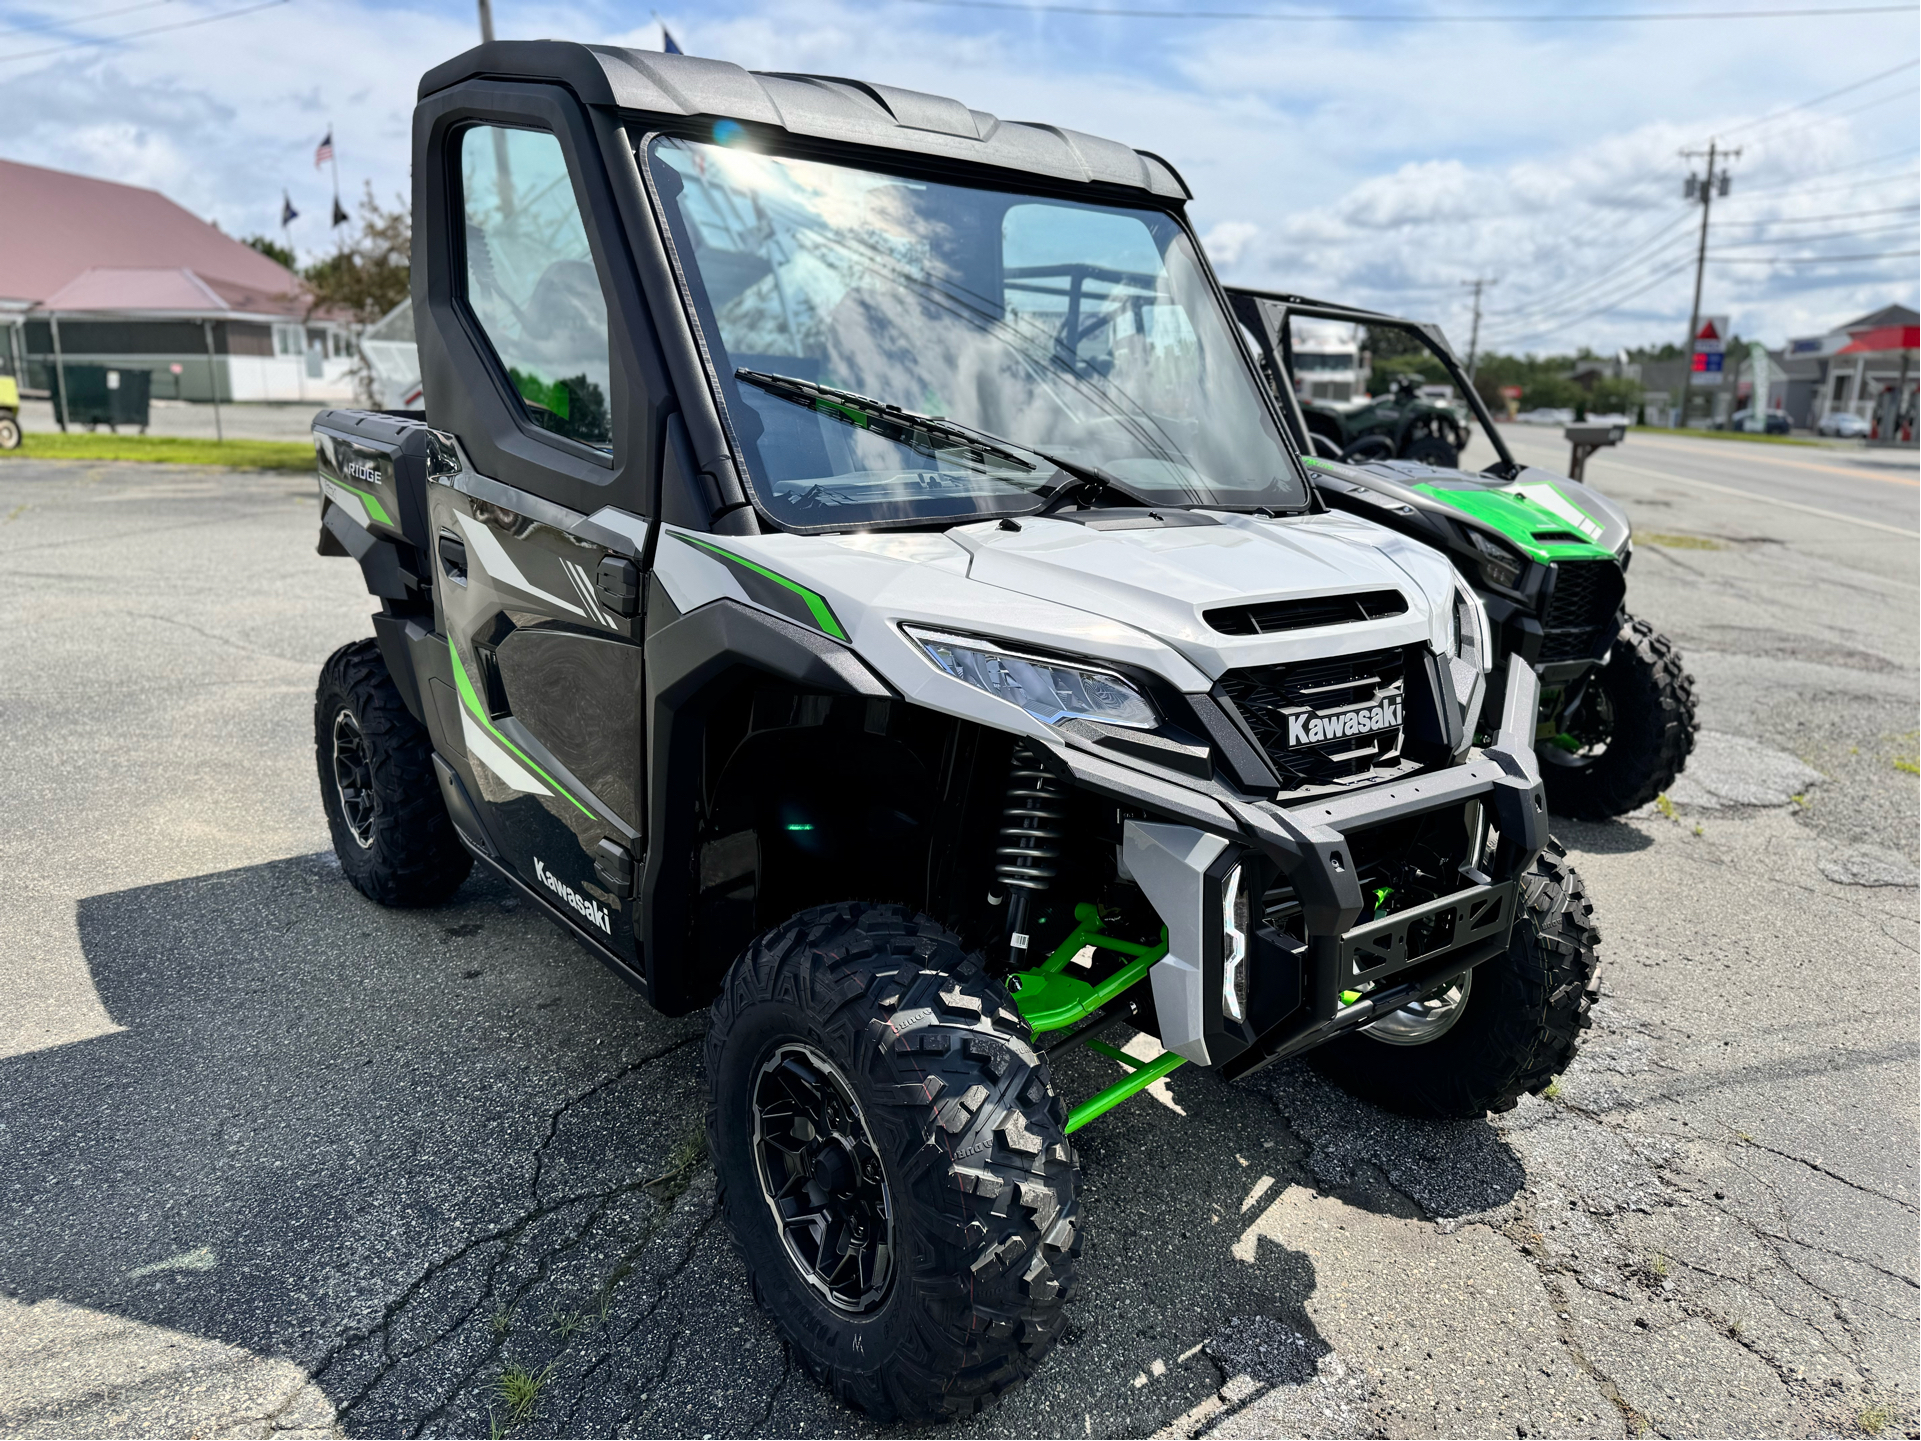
[{"x": 530, "y": 280}]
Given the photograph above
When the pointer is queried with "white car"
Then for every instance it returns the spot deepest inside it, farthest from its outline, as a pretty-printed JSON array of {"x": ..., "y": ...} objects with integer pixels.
[
  {"x": 1843, "y": 423},
  {"x": 1546, "y": 416}
]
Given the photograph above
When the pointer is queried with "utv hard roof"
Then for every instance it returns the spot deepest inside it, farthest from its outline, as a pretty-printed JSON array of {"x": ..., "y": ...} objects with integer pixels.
[{"x": 821, "y": 107}]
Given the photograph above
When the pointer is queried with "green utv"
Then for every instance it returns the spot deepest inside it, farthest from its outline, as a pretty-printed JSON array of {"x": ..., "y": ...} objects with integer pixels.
[
  {"x": 850, "y": 575},
  {"x": 1548, "y": 556}
]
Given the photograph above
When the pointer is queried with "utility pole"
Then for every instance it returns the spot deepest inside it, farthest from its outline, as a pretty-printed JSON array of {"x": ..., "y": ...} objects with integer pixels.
[
  {"x": 503, "y": 172},
  {"x": 1474, "y": 336},
  {"x": 1703, "y": 190}
]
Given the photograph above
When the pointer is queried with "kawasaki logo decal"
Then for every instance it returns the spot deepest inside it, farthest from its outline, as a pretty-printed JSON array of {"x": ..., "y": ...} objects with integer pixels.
[
  {"x": 588, "y": 907},
  {"x": 1305, "y": 728}
]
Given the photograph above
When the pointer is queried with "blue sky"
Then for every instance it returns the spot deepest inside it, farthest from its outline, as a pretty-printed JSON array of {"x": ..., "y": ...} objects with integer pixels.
[{"x": 1378, "y": 163}]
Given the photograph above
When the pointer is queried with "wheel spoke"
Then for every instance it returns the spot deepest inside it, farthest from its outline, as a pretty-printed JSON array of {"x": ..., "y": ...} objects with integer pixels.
[{"x": 822, "y": 1178}]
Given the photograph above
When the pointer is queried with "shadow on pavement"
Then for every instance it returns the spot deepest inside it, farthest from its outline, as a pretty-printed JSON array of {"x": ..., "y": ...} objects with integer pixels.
[
  {"x": 408, "y": 1149},
  {"x": 1605, "y": 838}
]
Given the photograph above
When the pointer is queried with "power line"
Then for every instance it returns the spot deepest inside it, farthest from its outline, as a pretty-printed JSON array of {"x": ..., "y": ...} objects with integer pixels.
[
  {"x": 1822, "y": 99},
  {"x": 1720, "y": 259},
  {"x": 1830, "y": 119},
  {"x": 1364, "y": 17},
  {"x": 1863, "y": 234},
  {"x": 1648, "y": 248},
  {"x": 84, "y": 19},
  {"x": 1843, "y": 215},
  {"x": 1601, "y": 310},
  {"x": 150, "y": 30},
  {"x": 1834, "y": 170}
]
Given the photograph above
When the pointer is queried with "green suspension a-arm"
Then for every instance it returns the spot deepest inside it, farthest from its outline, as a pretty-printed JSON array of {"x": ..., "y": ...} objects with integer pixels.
[{"x": 1052, "y": 1000}]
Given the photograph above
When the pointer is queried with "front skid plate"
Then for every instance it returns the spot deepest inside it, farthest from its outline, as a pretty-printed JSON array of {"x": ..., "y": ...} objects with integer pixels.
[{"x": 1398, "y": 942}]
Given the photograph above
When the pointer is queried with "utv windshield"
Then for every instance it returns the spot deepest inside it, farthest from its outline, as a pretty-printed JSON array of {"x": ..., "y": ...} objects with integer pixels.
[{"x": 898, "y": 351}]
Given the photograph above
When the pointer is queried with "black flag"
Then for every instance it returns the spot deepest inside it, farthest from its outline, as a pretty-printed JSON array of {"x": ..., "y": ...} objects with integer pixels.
[
  {"x": 287, "y": 213},
  {"x": 340, "y": 216}
]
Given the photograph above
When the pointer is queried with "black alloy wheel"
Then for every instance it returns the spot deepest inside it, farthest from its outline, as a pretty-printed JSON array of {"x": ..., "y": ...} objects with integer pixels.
[
  {"x": 354, "y": 778},
  {"x": 821, "y": 1176}
]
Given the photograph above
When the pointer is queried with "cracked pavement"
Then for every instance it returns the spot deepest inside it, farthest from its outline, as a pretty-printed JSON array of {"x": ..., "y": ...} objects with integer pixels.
[{"x": 283, "y": 1163}]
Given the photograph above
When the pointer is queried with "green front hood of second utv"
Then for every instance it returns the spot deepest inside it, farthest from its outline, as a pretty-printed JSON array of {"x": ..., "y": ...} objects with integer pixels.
[{"x": 1525, "y": 513}]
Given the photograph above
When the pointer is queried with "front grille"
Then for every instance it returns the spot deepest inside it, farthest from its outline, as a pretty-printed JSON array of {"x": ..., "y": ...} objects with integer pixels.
[
  {"x": 1267, "y": 617},
  {"x": 1587, "y": 594},
  {"x": 1272, "y": 698}
]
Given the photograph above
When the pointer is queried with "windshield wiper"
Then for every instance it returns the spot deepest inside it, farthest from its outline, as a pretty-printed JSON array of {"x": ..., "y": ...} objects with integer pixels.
[
  {"x": 906, "y": 427},
  {"x": 917, "y": 432}
]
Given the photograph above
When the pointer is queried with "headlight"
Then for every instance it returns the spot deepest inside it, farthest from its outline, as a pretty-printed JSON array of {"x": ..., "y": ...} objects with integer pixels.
[
  {"x": 1233, "y": 947},
  {"x": 1048, "y": 690},
  {"x": 1499, "y": 565},
  {"x": 1472, "y": 654}
]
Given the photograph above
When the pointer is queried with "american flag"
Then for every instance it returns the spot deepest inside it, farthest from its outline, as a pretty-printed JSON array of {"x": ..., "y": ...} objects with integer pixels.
[{"x": 325, "y": 150}]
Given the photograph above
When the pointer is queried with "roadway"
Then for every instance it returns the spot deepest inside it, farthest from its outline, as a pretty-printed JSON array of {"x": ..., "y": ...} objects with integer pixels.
[
  {"x": 279, "y": 1161},
  {"x": 1879, "y": 486}
]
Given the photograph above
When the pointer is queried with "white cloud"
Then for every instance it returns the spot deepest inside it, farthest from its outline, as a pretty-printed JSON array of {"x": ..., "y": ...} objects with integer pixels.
[
  {"x": 1226, "y": 241},
  {"x": 1367, "y": 163}
]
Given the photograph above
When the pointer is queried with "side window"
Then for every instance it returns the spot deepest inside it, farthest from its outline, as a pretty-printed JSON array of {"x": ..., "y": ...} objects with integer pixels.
[{"x": 530, "y": 280}]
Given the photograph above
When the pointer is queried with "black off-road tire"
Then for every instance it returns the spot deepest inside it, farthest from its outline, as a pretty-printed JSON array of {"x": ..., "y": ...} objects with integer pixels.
[
  {"x": 1652, "y": 698},
  {"x": 408, "y": 853},
  {"x": 983, "y": 1185},
  {"x": 1432, "y": 450},
  {"x": 1521, "y": 1024}
]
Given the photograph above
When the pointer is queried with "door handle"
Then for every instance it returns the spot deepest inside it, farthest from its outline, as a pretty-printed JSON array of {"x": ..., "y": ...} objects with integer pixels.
[
  {"x": 453, "y": 557},
  {"x": 617, "y": 584}
]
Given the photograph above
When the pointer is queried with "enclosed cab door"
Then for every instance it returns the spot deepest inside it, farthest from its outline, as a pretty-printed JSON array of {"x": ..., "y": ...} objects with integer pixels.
[{"x": 543, "y": 710}]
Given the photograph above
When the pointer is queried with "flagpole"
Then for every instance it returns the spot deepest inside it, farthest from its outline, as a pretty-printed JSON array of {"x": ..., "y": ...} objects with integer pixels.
[{"x": 334, "y": 160}]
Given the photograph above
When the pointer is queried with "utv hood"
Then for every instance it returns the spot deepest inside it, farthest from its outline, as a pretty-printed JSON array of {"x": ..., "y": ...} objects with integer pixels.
[
  {"x": 1548, "y": 516},
  {"x": 1165, "y": 579}
]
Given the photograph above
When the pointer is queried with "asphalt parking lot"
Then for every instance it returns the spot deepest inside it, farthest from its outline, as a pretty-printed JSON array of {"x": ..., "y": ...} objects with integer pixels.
[{"x": 282, "y": 1163}]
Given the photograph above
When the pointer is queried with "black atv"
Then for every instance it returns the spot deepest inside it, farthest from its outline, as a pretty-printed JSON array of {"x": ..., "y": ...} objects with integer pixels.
[
  {"x": 1398, "y": 426},
  {"x": 1549, "y": 557}
]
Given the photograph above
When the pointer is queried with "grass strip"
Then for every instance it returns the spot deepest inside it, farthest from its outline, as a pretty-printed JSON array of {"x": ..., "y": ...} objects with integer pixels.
[{"x": 166, "y": 449}]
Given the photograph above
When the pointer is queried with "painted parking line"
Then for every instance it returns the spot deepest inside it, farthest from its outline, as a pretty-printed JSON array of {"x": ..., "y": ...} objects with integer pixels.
[{"x": 1613, "y": 464}]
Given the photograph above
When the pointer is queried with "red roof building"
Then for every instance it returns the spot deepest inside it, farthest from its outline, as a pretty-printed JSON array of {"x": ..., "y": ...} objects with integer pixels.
[{"x": 96, "y": 272}]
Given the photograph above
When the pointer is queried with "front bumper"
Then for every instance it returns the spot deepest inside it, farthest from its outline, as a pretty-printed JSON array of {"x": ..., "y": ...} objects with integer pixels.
[{"x": 1395, "y": 958}]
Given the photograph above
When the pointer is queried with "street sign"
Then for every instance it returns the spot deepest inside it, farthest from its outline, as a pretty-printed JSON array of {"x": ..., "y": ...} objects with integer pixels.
[{"x": 1711, "y": 338}]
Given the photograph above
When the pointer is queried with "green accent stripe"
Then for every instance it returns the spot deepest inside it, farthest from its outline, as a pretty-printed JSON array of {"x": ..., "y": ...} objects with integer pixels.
[
  {"x": 816, "y": 604},
  {"x": 472, "y": 701},
  {"x": 375, "y": 510}
]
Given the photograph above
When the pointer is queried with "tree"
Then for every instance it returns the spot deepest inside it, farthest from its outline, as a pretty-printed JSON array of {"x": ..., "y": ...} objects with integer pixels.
[
  {"x": 369, "y": 274},
  {"x": 272, "y": 249}
]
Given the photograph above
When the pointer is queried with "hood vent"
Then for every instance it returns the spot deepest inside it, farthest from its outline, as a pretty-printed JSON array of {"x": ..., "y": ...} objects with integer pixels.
[{"x": 1267, "y": 617}]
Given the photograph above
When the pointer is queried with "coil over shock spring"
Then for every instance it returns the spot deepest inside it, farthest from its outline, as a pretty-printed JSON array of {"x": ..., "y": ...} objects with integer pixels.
[{"x": 1032, "y": 823}]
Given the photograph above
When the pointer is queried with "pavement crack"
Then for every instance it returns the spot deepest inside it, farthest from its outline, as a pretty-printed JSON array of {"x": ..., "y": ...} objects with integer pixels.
[
  {"x": 1832, "y": 1175},
  {"x": 613, "y": 1078},
  {"x": 786, "y": 1370}
]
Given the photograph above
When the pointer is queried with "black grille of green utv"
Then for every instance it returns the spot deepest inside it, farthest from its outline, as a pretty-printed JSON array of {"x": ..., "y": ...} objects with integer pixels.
[
  {"x": 1267, "y": 695},
  {"x": 1267, "y": 617},
  {"x": 1587, "y": 594}
]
